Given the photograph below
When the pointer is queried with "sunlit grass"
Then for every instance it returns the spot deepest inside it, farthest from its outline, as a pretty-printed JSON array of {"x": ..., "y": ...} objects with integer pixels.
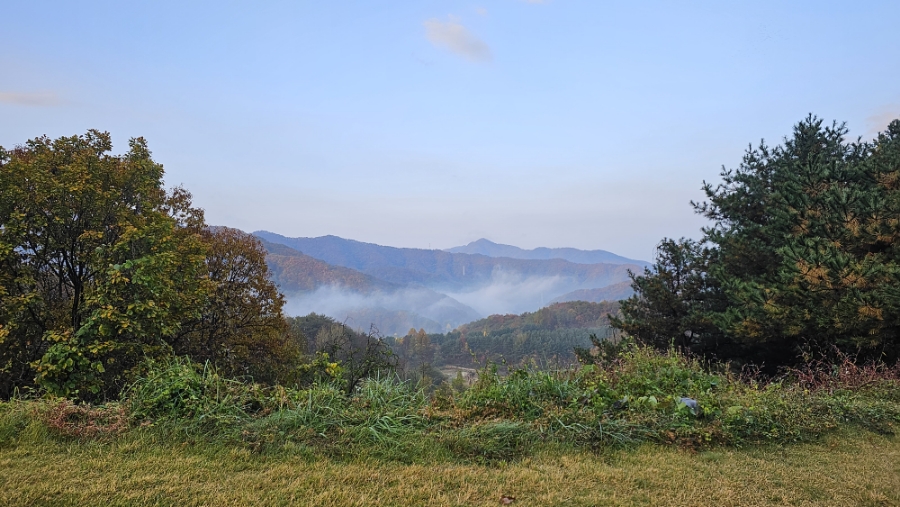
[{"x": 856, "y": 468}]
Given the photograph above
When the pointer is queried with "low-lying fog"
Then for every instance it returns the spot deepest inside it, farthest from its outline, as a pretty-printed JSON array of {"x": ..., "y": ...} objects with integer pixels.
[
  {"x": 511, "y": 292},
  {"x": 395, "y": 312}
]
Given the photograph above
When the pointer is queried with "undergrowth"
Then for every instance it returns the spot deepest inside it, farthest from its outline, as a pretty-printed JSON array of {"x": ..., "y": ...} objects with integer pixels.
[{"x": 639, "y": 395}]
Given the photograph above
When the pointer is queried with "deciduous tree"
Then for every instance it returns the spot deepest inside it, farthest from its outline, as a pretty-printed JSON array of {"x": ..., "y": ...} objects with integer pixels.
[{"x": 95, "y": 271}]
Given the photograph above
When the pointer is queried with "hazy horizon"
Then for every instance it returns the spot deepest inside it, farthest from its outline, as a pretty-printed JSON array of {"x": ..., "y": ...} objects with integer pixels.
[
  {"x": 441, "y": 249},
  {"x": 554, "y": 123}
]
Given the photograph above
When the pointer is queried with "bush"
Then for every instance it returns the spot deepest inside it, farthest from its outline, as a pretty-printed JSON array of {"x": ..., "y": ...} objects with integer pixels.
[
  {"x": 633, "y": 397},
  {"x": 193, "y": 397},
  {"x": 637, "y": 396}
]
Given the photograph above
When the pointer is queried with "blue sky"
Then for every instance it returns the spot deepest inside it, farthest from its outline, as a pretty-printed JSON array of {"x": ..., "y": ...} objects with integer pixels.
[{"x": 434, "y": 123}]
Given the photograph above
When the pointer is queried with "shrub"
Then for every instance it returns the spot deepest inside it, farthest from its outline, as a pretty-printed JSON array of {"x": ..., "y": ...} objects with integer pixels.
[{"x": 193, "y": 396}]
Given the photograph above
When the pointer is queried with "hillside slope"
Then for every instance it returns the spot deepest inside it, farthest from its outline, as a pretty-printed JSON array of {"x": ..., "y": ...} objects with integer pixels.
[
  {"x": 570, "y": 315},
  {"x": 614, "y": 292},
  {"x": 547, "y": 336},
  {"x": 312, "y": 285},
  {"x": 294, "y": 272}
]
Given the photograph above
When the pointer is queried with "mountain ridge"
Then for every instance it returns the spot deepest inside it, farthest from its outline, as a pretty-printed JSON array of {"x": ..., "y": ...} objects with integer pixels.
[
  {"x": 448, "y": 271},
  {"x": 295, "y": 271},
  {"x": 489, "y": 248},
  {"x": 313, "y": 285}
]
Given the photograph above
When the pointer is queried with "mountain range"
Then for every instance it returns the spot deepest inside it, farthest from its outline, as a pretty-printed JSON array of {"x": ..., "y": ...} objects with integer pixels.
[
  {"x": 399, "y": 288},
  {"x": 491, "y": 249}
]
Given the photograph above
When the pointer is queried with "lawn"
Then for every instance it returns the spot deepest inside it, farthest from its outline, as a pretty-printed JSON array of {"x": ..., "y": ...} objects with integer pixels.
[{"x": 843, "y": 468}]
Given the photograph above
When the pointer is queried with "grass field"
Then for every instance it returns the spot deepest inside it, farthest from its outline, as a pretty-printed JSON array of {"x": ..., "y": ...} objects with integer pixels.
[
  {"x": 615, "y": 433},
  {"x": 848, "y": 468}
]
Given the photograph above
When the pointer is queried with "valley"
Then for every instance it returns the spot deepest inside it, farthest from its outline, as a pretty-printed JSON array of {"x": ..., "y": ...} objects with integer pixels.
[{"x": 396, "y": 289}]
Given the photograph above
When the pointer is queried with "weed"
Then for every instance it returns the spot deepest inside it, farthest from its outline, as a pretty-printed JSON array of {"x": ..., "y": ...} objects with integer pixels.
[{"x": 68, "y": 419}]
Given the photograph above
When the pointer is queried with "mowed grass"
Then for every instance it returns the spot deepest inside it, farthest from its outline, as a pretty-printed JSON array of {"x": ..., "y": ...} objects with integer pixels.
[{"x": 846, "y": 468}]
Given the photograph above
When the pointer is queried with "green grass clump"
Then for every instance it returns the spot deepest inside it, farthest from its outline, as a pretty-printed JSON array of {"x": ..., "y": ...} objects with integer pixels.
[
  {"x": 382, "y": 414},
  {"x": 628, "y": 399},
  {"x": 637, "y": 397},
  {"x": 191, "y": 398},
  {"x": 15, "y": 416}
]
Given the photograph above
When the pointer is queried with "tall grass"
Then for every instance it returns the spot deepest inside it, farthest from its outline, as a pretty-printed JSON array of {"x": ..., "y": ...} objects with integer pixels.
[{"x": 634, "y": 397}]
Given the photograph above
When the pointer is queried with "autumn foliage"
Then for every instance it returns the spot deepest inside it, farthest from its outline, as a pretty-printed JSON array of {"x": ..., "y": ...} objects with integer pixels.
[{"x": 101, "y": 269}]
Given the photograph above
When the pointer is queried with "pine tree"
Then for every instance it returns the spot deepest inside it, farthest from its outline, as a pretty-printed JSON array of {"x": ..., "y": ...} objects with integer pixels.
[{"x": 802, "y": 253}]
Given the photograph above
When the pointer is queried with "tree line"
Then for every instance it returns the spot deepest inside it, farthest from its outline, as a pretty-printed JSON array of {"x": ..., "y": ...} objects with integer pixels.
[{"x": 102, "y": 271}]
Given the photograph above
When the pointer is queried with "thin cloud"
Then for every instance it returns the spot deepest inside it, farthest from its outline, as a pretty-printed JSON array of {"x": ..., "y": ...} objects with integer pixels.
[
  {"x": 29, "y": 99},
  {"x": 454, "y": 36},
  {"x": 879, "y": 121},
  {"x": 481, "y": 11},
  {"x": 536, "y": 1}
]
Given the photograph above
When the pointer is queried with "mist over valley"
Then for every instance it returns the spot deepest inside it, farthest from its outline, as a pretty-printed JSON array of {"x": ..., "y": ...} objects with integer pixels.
[{"x": 395, "y": 289}]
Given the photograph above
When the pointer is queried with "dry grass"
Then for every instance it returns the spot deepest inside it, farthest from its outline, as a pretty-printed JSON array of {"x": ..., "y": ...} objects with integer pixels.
[{"x": 849, "y": 469}]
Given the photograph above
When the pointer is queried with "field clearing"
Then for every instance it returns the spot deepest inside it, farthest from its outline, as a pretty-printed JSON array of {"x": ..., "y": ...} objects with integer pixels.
[{"x": 848, "y": 468}]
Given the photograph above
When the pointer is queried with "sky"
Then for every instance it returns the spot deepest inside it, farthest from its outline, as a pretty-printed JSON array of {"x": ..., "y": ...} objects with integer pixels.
[{"x": 430, "y": 124}]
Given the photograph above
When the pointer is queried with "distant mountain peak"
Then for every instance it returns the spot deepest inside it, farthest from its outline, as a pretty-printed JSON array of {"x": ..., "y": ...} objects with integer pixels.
[
  {"x": 484, "y": 246},
  {"x": 493, "y": 279}
]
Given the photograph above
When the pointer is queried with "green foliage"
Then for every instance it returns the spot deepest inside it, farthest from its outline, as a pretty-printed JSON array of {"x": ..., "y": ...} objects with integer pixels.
[
  {"x": 195, "y": 398},
  {"x": 94, "y": 267},
  {"x": 632, "y": 398},
  {"x": 240, "y": 328},
  {"x": 638, "y": 396},
  {"x": 803, "y": 254},
  {"x": 102, "y": 269},
  {"x": 359, "y": 355},
  {"x": 672, "y": 301},
  {"x": 816, "y": 264},
  {"x": 522, "y": 394},
  {"x": 415, "y": 357},
  {"x": 603, "y": 352}
]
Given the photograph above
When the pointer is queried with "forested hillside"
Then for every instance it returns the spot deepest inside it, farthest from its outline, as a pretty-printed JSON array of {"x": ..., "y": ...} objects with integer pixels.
[
  {"x": 614, "y": 292},
  {"x": 295, "y": 272},
  {"x": 545, "y": 337},
  {"x": 569, "y": 315},
  {"x": 361, "y": 301}
]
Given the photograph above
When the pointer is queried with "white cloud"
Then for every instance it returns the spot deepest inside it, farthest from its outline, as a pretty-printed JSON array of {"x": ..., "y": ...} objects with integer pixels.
[
  {"x": 29, "y": 99},
  {"x": 454, "y": 36},
  {"x": 879, "y": 121}
]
